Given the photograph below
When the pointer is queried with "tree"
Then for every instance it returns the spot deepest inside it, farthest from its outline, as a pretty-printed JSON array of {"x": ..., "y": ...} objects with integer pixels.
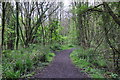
[
  {"x": 3, "y": 22},
  {"x": 17, "y": 24}
]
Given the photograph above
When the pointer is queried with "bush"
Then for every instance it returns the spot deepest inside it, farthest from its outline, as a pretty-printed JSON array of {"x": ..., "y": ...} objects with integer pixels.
[
  {"x": 89, "y": 61},
  {"x": 49, "y": 56},
  {"x": 17, "y": 63},
  {"x": 68, "y": 46},
  {"x": 55, "y": 47}
]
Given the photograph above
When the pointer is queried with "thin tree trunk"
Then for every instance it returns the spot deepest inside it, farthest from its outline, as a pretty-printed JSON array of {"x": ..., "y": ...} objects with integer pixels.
[
  {"x": 3, "y": 23},
  {"x": 17, "y": 24}
]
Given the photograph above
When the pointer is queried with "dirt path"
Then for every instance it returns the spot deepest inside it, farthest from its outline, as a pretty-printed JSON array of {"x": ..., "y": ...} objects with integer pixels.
[{"x": 61, "y": 67}]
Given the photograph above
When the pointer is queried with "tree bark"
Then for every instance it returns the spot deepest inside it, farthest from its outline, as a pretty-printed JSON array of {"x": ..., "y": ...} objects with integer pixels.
[
  {"x": 17, "y": 24},
  {"x": 3, "y": 23}
]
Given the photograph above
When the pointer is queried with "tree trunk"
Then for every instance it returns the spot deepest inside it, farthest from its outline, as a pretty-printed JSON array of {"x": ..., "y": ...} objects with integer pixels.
[
  {"x": 17, "y": 24},
  {"x": 3, "y": 23}
]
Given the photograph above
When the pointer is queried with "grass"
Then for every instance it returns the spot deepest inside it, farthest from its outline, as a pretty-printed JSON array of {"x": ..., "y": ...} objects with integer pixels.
[
  {"x": 58, "y": 47},
  {"x": 91, "y": 63},
  {"x": 69, "y": 46},
  {"x": 23, "y": 62}
]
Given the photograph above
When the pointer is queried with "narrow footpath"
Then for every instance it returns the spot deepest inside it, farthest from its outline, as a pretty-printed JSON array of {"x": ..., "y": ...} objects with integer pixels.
[{"x": 61, "y": 67}]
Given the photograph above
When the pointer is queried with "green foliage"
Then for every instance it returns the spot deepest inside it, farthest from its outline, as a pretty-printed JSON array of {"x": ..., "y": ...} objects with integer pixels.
[
  {"x": 81, "y": 9},
  {"x": 17, "y": 63},
  {"x": 97, "y": 75},
  {"x": 55, "y": 47},
  {"x": 91, "y": 57},
  {"x": 49, "y": 57},
  {"x": 12, "y": 74},
  {"x": 90, "y": 63},
  {"x": 114, "y": 75},
  {"x": 8, "y": 33},
  {"x": 101, "y": 63},
  {"x": 54, "y": 30},
  {"x": 87, "y": 66},
  {"x": 28, "y": 75},
  {"x": 51, "y": 33},
  {"x": 67, "y": 46}
]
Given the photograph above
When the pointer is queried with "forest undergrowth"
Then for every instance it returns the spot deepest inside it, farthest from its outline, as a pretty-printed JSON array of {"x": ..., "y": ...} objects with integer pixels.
[
  {"x": 25, "y": 61},
  {"x": 89, "y": 61}
]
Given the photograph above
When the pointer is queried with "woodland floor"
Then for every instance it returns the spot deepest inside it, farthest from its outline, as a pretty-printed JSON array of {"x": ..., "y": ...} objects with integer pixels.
[{"x": 61, "y": 67}]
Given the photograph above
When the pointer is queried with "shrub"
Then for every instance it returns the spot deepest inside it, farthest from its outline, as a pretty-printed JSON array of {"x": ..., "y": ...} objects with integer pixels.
[
  {"x": 49, "y": 56},
  {"x": 92, "y": 63},
  {"x": 55, "y": 47},
  {"x": 17, "y": 63},
  {"x": 86, "y": 59}
]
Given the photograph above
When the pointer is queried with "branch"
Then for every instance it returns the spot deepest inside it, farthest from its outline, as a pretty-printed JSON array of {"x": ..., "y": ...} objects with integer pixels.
[
  {"x": 94, "y": 9},
  {"x": 40, "y": 22},
  {"x": 51, "y": 13},
  {"x": 109, "y": 10}
]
